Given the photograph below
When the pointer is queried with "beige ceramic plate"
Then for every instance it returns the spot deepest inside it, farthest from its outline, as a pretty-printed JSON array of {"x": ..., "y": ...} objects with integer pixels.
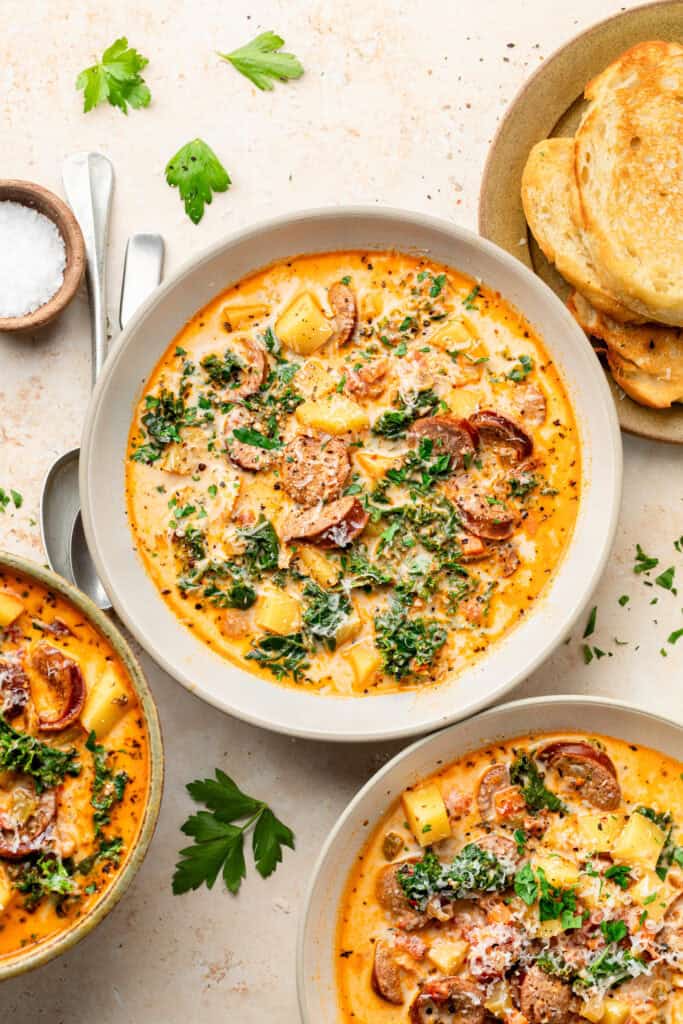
[
  {"x": 59, "y": 943},
  {"x": 551, "y": 103}
]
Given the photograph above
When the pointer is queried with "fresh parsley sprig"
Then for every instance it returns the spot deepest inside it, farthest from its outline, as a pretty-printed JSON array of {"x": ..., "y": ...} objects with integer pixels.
[
  {"x": 197, "y": 173},
  {"x": 263, "y": 62},
  {"x": 219, "y": 842},
  {"x": 115, "y": 78}
]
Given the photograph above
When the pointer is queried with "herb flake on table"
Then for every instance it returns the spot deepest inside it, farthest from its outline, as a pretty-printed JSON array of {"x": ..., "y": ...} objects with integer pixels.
[
  {"x": 116, "y": 78},
  {"x": 590, "y": 625},
  {"x": 644, "y": 563},
  {"x": 197, "y": 173},
  {"x": 263, "y": 61},
  {"x": 219, "y": 842}
]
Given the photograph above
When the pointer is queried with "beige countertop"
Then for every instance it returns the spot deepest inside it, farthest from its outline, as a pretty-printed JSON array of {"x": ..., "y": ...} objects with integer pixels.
[{"x": 398, "y": 106}]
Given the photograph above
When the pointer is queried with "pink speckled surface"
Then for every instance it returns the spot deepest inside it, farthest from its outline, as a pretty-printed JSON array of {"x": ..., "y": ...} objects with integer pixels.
[{"x": 398, "y": 105}]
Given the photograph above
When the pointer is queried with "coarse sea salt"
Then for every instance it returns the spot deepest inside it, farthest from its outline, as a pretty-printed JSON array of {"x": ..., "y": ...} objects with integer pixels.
[{"x": 32, "y": 259}]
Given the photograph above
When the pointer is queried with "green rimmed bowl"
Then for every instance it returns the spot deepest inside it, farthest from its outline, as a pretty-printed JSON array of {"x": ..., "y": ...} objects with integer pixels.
[{"x": 22, "y": 961}]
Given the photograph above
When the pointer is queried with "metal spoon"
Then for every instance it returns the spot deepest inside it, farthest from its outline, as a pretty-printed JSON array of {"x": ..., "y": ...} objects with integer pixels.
[
  {"x": 88, "y": 182},
  {"x": 141, "y": 275}
]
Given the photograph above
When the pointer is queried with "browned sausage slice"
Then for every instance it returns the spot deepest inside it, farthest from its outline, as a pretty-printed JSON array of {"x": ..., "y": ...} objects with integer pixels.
[
  {"x": 314, "y": 469},
  {"x": 387, "y": 976},
  {"x": 590, "y": 769},
  {"x": 503, "y": 435},
  {"x": 494, "y": 779},
  {"x": 447, "y": 1001},
  {"x": 18, "y": 838},
  {"x": 531, "y": 404},
  {"x": 492, "y": 522},
  {"x": 247, "y": 456},
  {"x": 502, "y": 847},
  {"x": 14, "y": 689},
  {"x": 368, "y": 380},
  {"x": 343, "y": 303},
  {"x": 544, "y": 999},
  {"x": 508, "y": 559},
  {"x": 63, "y": 675},
  {"x": 392, "y": 898},
  {"x": 450, "y": 435},
  {"x": 333, "y": 526},
  {"x": 255, "y": 370}
]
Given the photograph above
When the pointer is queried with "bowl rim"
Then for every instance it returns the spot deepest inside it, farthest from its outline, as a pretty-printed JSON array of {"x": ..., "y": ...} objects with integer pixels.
[
  {"x": 16, "y": 964},
  {"x": 375, "y": 781},
  {"x": 188, "y": 679},
  {"x": 61, "y": 215}
]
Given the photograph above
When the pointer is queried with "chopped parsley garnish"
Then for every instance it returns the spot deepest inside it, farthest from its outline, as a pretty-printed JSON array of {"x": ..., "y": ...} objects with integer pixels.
[
  {"x": 620, "y": 874},
  {"x": 247, "y": 435},
  {"x": 46, "y": 876},
  {"x": 263, "y": 62},
  {"x": 644, "y": 563},
  {"x": 524, "y": 772},
  {"x": 116, "y": 78},
  {"x": 108, "y": 787},
  {"x": 521, "y": 372},
  {"x": 613, "y": 931},
  {"x": 197, "y": 173},
  {"x": 25, "y": 754},
  {"x": 470, "y": 299},
  {"x": 590, "y": 625},
  {"x": 666, "y": 579},
  {"x": 219, "y": 842},
  {"x": 394, "y": 422},
  {"x": 624, "y": 599}
]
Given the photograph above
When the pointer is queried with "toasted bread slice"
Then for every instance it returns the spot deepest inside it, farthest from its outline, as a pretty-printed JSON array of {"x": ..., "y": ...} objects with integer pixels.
[
  {"x": 646, "y": 360},
  {"x": 629, "y": 171},
  {"x": 547, "y": 184}
]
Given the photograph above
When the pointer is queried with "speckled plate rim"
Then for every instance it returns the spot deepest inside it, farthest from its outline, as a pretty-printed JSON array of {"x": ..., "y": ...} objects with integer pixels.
[
  {"x": 52, "y": 947},
  {"x": 315, "y": 963},
  {"x": 290, "y": 710},
  {"x": 541, "y": 102}
]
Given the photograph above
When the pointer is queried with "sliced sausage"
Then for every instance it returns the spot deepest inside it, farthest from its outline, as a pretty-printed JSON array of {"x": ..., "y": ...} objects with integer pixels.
[
  {"x": 62, "y": 674},
  {"x": 495, "y": 949},
  {"x": 334, "y": 526},
  {"x": 247, "y": 456},
  {"x": 508, "y": 559},
  {"x": 544, "y": 999},
  {"x": 494, "y": 779},
  {"x": 54, "y": 628},
  {"x": 369, "y": 380},
  {"x": 314, "y": 469},
  {"x": 447, "y": 1001},
  {"x": 501, "y": 434},
  {"x": 531, "y": 405},
  {"x": 590, "y": 770},
  {"x": 671, "y": 934},
  {"x": 255, "y": 370},
  {"x": 14, "y": 688},
  {"x": 502, "y": 847},
  {"x": 450, "y": 436},
  {"x": 32, "y": 830},
  {"x": 392, "y": 898},
  {"x": 343, "y": 303},
  {"x": 387, "y": 975},
  {"x": 492, "y": 522}
]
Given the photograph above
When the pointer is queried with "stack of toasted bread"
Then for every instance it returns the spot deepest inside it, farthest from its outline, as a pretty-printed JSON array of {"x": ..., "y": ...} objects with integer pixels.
[{"x": 606, "y": 208}]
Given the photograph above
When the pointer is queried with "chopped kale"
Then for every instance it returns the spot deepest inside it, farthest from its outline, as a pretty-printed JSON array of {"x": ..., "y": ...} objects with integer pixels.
[
  {"x": 47, "y": 766},
  {"x": 281, "y": 655},
  {"x": 473, "y": 871},
  {"x": 263, "y": 547},
  {"x": 407, "y": 644},
  {"x": 394, "y": 422},
  {"x": 525, "y": 773},
  {"x": 325, "y": 613}
]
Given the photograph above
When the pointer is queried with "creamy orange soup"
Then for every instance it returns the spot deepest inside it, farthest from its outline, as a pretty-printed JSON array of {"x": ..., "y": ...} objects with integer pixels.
[
  {"x": 353, "y": 472},
  {"x": 537, "y": 881},
  {"x": 74, "y": 764}
]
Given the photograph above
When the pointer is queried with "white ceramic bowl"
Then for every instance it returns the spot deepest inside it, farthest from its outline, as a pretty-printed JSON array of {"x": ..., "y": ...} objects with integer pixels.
[
  {"x": 317, "y": 929},
  {"x": 285, "y": 709}
]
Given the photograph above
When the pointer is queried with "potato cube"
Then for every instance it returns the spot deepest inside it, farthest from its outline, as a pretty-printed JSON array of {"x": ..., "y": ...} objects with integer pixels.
[
  {"x": 184, "y": 458},
  {"x": 558, "y": 871},
  {"x": 107, "y": 702},
  {"x": 365, "y": 661},
  {"x": 427, "y": 815},
  {"x": 592, "y": 892},
  {"x": 316, "y": 565},
  {"x": 371, "y": 305},
  {"x": 561, "y": 834},
  {"x": 548, "y": 929},
  {"x": 654, "y": 895},
  {"x": 677, "y": 1008},
  {"x": 334, "y": 414},
  {"x": 314, "y": 380},
  {"x": 640, "y": 842},
  {"x": 375, "y": 464},
  {"x": 499, "y": 1001},
  {"x": 235, "y": 317},
  {"x": 616, "y": 1011},
  {"x": 278, "y": 612},
  {"x": 303, "y": 327},
  {"x": 593, "y": 1009},
  {"x": 598, "y": 832},
  {"x": 10, "y": 609},
  {"x": 7, "y": 890},
  {"x": 350, "y": 627},
  {"x": 454, "y": 334},
  {"x": 448, "y": 955}
]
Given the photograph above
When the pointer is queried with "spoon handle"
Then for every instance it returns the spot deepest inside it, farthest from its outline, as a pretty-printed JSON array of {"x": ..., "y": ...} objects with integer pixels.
[
  {"x": 141, "y": 273},
  {"x": 88, "y": 182}
]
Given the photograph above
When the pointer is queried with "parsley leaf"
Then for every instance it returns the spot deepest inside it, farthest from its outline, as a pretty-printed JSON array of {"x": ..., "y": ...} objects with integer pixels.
[
  {"x": 115, "y": 78},
  {"x": 644, "y": 562},
  {"x": 219, "y": 843},
  {"x": 247, "y": 435},
  {"x": 44, "y": 877},
  {"x": 197, "y": 173},
  {"x": 262, "y": 61},
  {"x": 620, "y": 874},
  {"x": 614, "y": 931},
  {"x": 526, "y": 886}
]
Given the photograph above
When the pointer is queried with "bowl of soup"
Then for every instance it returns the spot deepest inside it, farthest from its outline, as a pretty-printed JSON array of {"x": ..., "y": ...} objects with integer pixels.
[
  {"x": 81, "y": 765},
  {"x": 513, "y": 867},
  {"x": 351, "y": 475}
]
